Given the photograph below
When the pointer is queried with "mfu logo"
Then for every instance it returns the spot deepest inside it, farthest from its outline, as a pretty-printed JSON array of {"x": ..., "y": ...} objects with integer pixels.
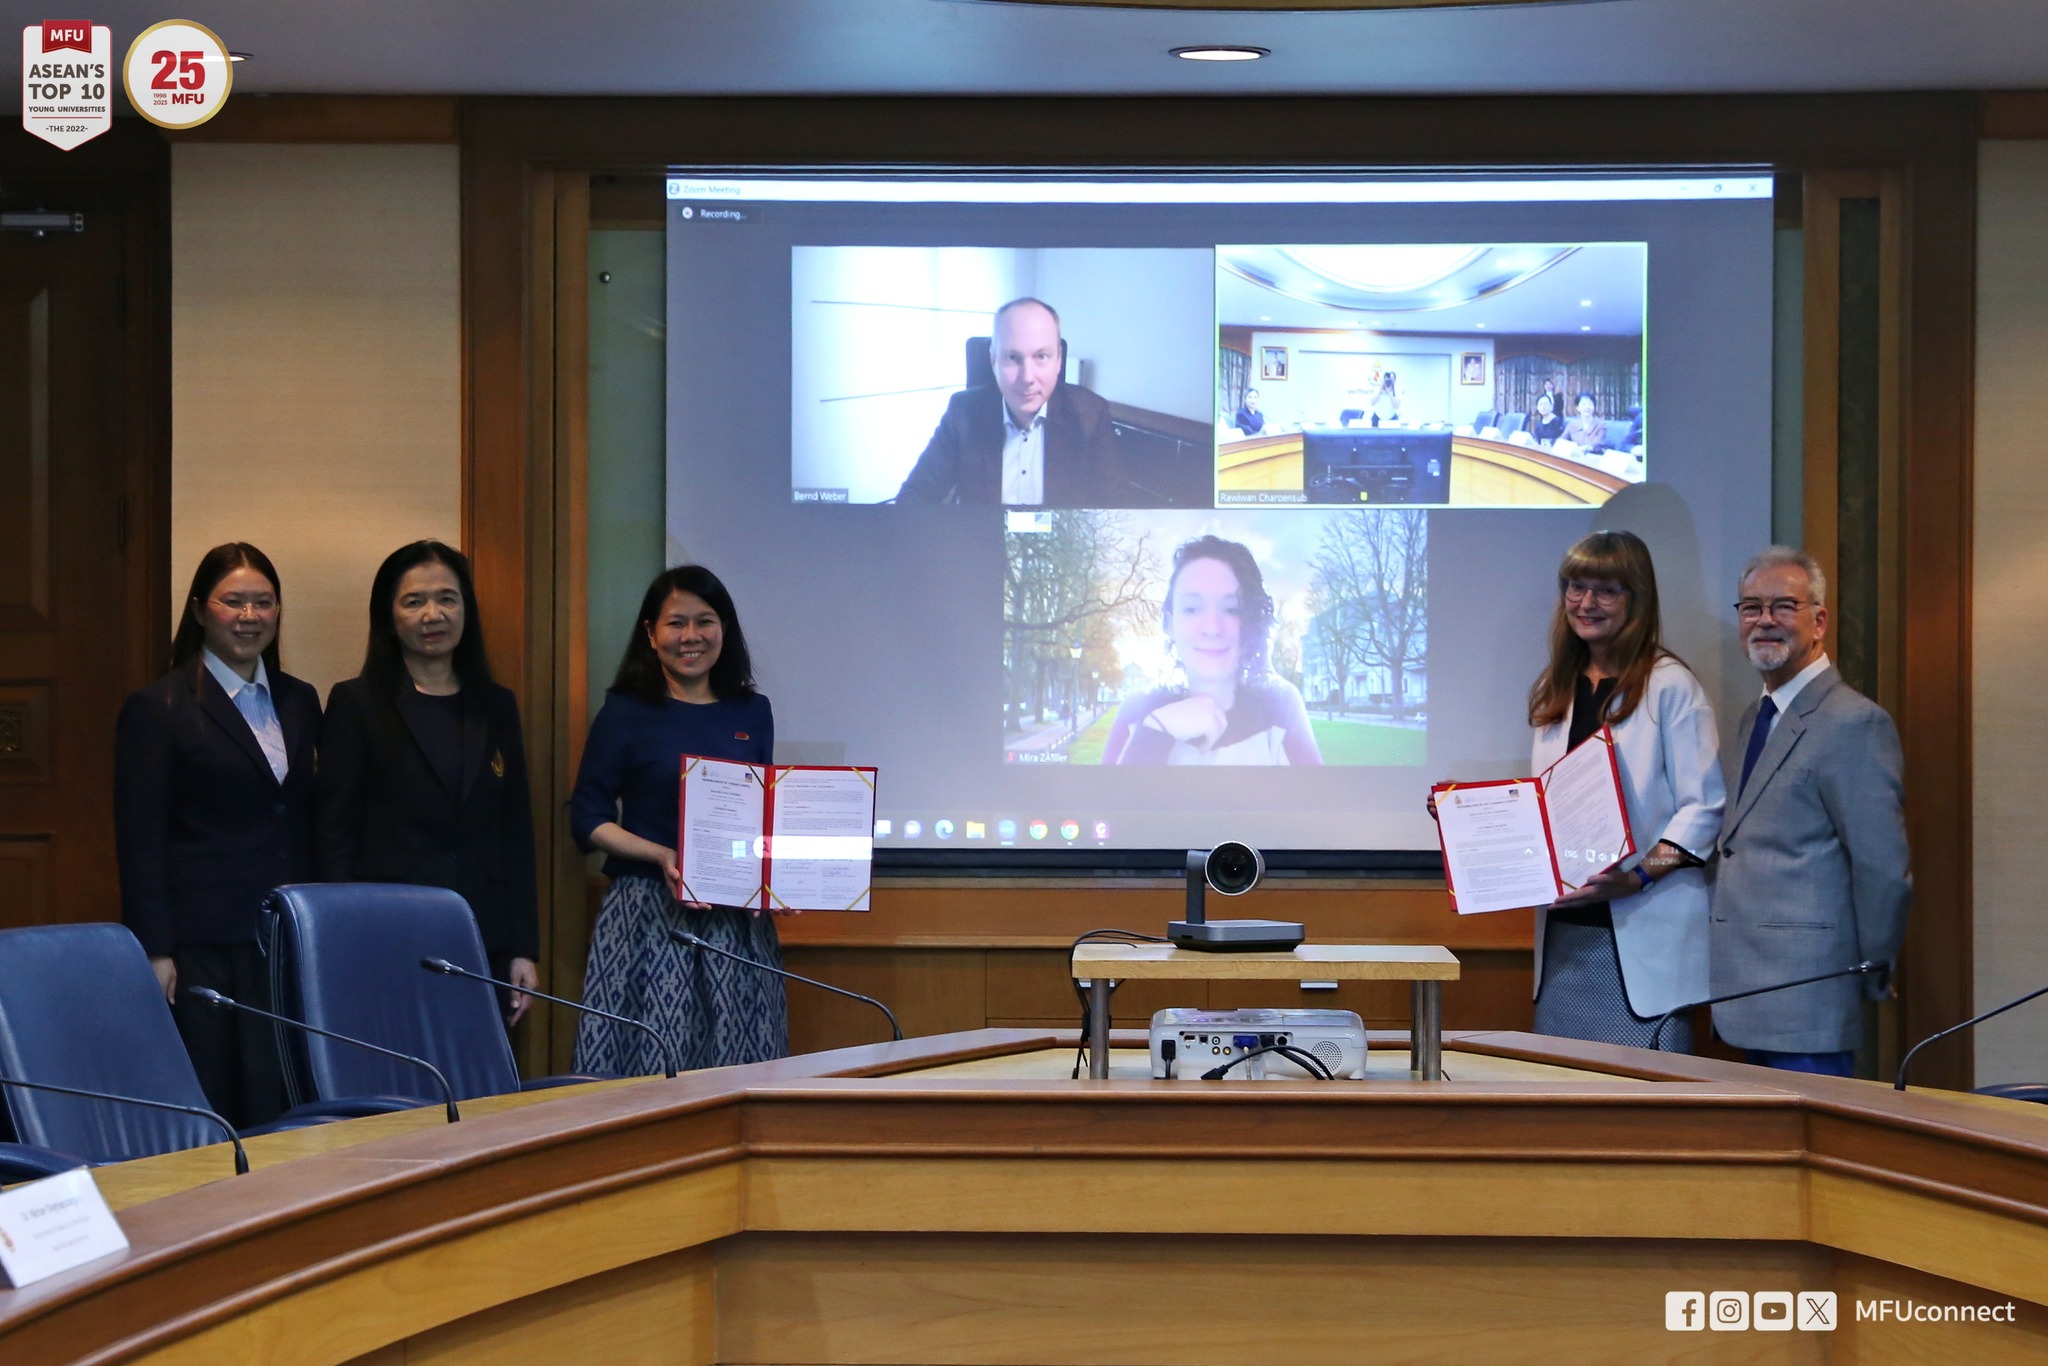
[
  {"x": 66, "y": 75},
  {"x": 1737, "y": 1311}
]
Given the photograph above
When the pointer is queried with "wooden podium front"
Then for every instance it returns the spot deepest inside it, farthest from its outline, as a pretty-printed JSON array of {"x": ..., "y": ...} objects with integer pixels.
[{"x": 961, "y": 1199}]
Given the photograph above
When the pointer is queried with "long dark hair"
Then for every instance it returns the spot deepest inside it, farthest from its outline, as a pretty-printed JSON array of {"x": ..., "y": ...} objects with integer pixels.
[
  {"x": 640, "y": 675},
  {"x": 215, "y": 565},
  {"x": 384, "y": 658},
  {"x": 1254, "y": 604},
  {"x": 1622, "y": 557}
]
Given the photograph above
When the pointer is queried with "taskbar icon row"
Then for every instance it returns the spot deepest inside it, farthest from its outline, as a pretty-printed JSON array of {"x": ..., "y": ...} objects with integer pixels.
[{"x": 1005, "y": 831}]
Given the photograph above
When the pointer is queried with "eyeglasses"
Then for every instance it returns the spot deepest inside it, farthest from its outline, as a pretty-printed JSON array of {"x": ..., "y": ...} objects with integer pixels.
[
  {"x": 1606, "y": 594},
  {"x": 1781, "y": 609},
  {"x": 246, "y": 607}
]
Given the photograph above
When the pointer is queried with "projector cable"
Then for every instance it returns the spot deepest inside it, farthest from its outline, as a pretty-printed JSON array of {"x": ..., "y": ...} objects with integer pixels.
[
  {"x": 1300, "y": 1057},
  {"x": 1081, "y": 993}
]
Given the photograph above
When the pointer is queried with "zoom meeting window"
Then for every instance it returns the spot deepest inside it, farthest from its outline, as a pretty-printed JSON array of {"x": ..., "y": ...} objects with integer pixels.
[{"x": 1142, "y": 512}]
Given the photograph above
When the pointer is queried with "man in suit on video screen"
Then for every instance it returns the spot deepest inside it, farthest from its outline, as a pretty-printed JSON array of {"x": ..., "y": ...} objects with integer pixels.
[{"x": 1028, "y": 439}]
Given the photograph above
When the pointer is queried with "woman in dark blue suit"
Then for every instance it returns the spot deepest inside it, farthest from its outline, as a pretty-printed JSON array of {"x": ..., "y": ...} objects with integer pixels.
[
  {"x": 213, "y": 806},
  {"x": 422, "y": 771},
  {"x": 685, "y": 686}
]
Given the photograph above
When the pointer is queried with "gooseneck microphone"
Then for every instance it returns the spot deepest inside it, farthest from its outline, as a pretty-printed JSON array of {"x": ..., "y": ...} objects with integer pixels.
[
  {"x": 448, "y": 969},
  {"x": 693, "y": 941},
  {"x": 241, "y": 1157},
  {"x": 214, "y": 998},
  {"x": 1899, "y": 1082},
  {"x": 1863, "y": 969}
]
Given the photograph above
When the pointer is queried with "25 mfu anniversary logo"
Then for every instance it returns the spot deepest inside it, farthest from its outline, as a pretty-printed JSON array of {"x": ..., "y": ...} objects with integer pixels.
[{"x": 177, "y": 75}]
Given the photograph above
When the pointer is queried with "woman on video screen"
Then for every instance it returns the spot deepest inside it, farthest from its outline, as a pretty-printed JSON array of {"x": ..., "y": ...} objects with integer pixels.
[{"x": 1229, "y": 707}]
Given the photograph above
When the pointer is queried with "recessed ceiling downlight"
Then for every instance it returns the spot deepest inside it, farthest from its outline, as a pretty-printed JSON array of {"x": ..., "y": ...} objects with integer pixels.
[{"x": 1221, "y": 54}]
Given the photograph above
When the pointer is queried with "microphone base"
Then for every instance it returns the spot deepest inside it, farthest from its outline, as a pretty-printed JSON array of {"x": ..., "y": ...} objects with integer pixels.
[{"x": 1236, "y": 936}]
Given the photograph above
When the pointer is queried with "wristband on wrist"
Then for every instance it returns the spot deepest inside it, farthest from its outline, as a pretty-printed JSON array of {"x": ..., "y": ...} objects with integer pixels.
[{"x": 1643, "y": 875}]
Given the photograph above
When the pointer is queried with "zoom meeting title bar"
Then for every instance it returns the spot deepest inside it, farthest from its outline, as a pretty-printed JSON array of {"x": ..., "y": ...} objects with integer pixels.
[{"x": 1475, "y": 191}]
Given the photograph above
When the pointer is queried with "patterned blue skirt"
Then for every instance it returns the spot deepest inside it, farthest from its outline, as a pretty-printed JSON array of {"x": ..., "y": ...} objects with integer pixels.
[
  {"x": 714, "y": 1012},
  {"x": 1581, "y": 994}
]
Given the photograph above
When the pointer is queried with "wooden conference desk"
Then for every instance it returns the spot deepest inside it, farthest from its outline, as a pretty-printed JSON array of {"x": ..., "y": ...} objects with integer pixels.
[
  {"x": 959, "y": 1199},
  {"x": 1483, "y": 473}
]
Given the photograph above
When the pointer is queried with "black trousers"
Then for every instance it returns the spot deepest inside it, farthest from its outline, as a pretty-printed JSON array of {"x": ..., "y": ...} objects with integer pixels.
[{"x": 234, "y": 1054}]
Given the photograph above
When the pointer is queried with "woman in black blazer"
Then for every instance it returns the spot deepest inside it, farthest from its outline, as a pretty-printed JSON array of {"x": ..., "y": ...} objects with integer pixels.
[
  {"x": 214, "y": 767},
  {"x": 422, "y": 773}
]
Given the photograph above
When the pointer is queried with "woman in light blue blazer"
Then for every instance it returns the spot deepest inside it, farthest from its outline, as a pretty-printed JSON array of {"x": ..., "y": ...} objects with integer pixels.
[{"x": 1629, "y": 945}]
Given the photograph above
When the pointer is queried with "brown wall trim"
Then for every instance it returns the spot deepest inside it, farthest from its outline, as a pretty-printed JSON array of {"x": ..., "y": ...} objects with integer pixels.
[
  {"x": 331, "y": 118},
  {"x": 2013, "y": 114}
]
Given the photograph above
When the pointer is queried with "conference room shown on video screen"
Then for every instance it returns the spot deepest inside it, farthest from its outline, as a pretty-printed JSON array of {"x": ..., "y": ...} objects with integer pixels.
[
  {"x": 1137, "y": 511},
  {"x": 1506, "y": 375}
]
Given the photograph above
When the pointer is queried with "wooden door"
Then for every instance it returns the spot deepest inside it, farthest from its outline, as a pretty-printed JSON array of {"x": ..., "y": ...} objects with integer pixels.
[{"x": 82, "y": 616}]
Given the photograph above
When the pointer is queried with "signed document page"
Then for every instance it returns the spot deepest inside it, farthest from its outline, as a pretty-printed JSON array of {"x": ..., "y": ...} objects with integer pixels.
[
  {"x": 720, "y": 832},
  {"x": 1496, "y": 851},
  {"x": 1588, "y": 816},
  {"x": 821, "y": 844}
]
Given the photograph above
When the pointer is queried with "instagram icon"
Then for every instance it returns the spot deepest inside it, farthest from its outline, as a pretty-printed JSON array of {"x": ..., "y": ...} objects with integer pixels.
[{"x": 1728, "y": 1311}]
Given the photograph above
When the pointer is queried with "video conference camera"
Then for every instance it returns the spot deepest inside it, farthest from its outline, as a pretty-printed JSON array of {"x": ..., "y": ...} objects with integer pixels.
[{"x": 1232, "y": 869}]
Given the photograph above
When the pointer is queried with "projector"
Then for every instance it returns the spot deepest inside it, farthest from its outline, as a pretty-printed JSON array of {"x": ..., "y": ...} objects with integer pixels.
[
  {"x": 1232, "y": 868},
  {"x": 1187, "y": 1043}
]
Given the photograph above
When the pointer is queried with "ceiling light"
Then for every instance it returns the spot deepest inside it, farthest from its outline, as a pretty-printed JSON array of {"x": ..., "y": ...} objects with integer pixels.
[
  {"x": 1221, "y": 54},
  {"x": 1585, "y": 303},
  {"x": 1585, "y": 327},
  {"x": 1264, "y": 318},
  {"x": 1479, "y": 325}
]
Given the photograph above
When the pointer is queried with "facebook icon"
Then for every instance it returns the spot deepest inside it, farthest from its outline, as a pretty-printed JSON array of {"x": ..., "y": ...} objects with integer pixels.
[{"x": 1685, "y": 1311}]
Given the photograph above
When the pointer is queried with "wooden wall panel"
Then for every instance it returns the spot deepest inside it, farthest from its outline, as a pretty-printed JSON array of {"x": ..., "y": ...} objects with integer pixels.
[
  {"x": 84, "y": 428},
  {"x": 24, "y": 452},
  {"x": 25, "y": 742},
  {"x": 1050, "y": 912},
  {"x": 933, "y": 990},
  {"x": 1247, "y": 1302},
  {"x": 660, "y": 1310},
  {"x": 25, "y": 881}
]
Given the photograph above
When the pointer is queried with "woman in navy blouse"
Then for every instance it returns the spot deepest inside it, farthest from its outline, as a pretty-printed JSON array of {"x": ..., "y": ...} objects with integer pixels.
[{"x": 685, "y": 686}]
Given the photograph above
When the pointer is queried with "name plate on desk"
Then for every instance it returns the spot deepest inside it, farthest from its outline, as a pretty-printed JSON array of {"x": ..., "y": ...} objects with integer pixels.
[{"x": 53, "y": 1225}]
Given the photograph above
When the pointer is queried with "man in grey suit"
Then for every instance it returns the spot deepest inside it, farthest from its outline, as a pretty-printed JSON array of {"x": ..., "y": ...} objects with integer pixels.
[{"x": 1812, "y": 873}]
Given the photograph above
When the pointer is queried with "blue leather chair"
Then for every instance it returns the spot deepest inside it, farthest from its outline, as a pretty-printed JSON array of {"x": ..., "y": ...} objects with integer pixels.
[
  {"x": 345, "y": 956},
  {"x": 80, "y": 1006},
  {"x": 2035, "y": 1091}
]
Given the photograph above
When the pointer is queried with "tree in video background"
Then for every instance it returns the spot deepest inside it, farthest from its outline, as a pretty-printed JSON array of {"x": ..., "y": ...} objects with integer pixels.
[
  {"x": 1070, "y": 589},
  {"x": 1369, "y": 596}
]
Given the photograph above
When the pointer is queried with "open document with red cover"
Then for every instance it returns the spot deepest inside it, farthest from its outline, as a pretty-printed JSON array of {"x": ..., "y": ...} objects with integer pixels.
[
  {"x": 776, "y": 837},
  {"x": 1527, "y": 841}
]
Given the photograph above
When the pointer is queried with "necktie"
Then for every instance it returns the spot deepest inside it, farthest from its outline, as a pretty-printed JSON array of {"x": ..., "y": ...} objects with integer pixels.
[
  {"x": 1758, "y": 735},
  {"x": 253, "y": 701}
]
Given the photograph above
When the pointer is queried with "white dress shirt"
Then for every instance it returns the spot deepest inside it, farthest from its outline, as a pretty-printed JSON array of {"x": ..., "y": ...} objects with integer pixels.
[
  {"x": 1023, "y": 459},
  {"x": 1781, "y": 698},
  {"x": 251, "y": 697}
]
